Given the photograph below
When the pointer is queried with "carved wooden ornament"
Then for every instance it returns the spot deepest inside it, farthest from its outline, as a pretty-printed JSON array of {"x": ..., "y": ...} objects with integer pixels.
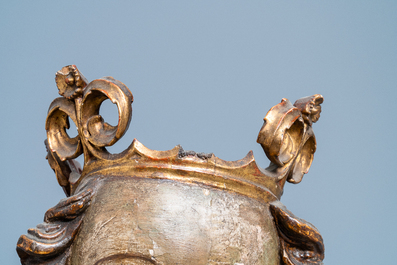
[{"x": 169, "y": 207}]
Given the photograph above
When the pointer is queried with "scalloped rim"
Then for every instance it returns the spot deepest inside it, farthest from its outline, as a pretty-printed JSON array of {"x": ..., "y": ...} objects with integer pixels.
[{"x": 241, "y": 176}]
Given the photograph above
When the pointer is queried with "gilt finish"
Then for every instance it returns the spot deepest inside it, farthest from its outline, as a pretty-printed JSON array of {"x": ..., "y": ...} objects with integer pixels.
[{"x": 169, "y": 207}]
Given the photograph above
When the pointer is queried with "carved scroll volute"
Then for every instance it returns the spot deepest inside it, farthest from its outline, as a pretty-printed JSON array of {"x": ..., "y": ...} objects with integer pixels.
[
  {"x": 288, "y": 139},
  {"x": 61, "y": 109},
  {"x": 60, "y": 146},
  {"x": 280, "y": 133},
  {"x": 81, "y": 104},
  {"x": 96, "y": 131}
]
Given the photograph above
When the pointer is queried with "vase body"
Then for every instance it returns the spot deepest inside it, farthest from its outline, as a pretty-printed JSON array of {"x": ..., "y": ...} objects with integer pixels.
[{"x": 155, "y": 221}]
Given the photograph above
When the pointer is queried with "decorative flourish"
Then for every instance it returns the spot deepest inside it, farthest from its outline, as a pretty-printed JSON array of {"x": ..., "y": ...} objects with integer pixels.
[
  {"x": 97, "y": 133},
  {"x": 301, "y": 243},
  {"x": 70, "y": 82},
  {"x": 288, "y": 139},
  {"x": 48, "y": 243},
  {"x": 280, "y": 132},
  {"x": 80, "y": 104},
  {"x": 310, "y": 108}
]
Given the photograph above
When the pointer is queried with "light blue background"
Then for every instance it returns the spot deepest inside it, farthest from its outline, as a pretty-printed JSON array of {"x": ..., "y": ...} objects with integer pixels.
[{"x": 203, "y": 75}]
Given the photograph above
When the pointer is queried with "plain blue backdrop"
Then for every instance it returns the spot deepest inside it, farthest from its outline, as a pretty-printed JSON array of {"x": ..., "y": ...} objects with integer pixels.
[{"x": 203, "y": 75}]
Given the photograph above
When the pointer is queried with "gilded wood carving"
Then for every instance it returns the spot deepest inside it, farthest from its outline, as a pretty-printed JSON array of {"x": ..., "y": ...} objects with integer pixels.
[{"x": 169, "y": 207}]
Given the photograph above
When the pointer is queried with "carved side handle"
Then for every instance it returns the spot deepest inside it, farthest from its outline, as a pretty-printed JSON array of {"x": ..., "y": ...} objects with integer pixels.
[
  {"x": 80, "y": 104},
  {"x": 287, "y": 137}
]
